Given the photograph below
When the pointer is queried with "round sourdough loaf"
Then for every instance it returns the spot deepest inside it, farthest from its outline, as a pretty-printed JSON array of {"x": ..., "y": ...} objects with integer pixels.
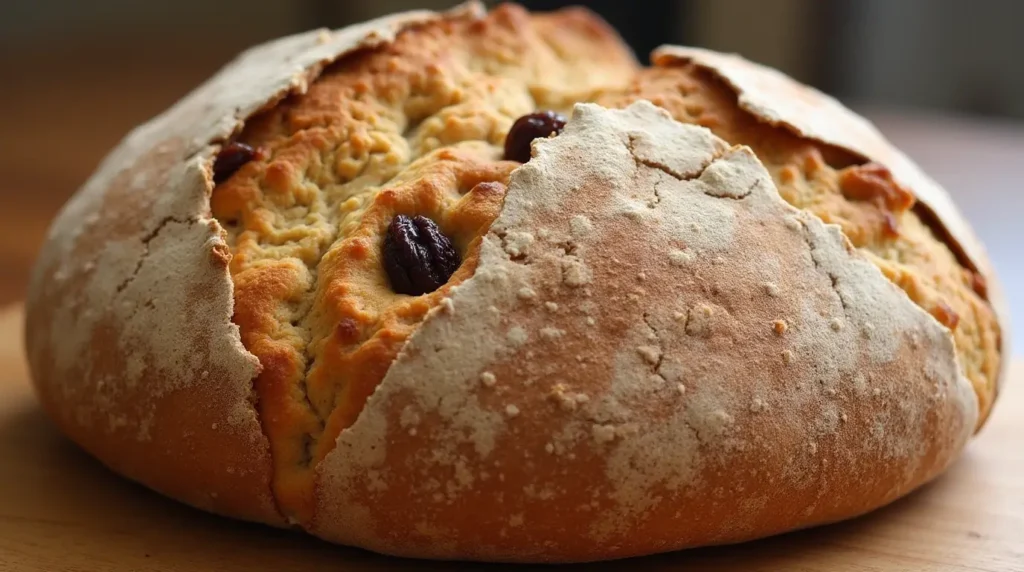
[{"x": 716, "y": 306}]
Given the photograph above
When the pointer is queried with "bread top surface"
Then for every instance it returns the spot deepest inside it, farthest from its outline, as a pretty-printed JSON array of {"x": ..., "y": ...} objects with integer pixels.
[
  {"x": 417, "y": 127},
  {"x": 412, "y": 121},
  {"x": 657, "y": 262}
]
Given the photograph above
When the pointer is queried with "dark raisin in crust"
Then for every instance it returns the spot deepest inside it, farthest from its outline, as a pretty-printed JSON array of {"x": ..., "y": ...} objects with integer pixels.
[
  {"x": 418, "y": 257},
  {"x": 230, "y": 159},
  {"x": 529, "y": 127}
]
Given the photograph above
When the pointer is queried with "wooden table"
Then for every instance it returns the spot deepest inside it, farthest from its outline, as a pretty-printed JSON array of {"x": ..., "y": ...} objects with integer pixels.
[{"x": 62, "y": 511}]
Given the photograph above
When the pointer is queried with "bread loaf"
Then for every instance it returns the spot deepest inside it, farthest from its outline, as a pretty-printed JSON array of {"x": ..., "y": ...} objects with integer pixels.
[{"x": 332, "y": 289}]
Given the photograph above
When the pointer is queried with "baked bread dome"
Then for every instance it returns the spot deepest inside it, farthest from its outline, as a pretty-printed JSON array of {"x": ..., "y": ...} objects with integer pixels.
[{"x": 319, "y": 292}]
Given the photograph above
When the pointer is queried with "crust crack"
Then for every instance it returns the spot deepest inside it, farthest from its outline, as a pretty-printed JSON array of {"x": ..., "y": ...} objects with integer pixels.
[
  {"x": 145, "y": 244},
  {"x": 657, "y": 360},
  {"x": 648, "y": 162},
  {"x": 833, "y": 279}
]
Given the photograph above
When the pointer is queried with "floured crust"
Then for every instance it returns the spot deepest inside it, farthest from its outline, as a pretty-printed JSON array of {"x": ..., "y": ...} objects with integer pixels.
[
  {"x": 648, "y": 412},
  {"x": 777, "y": 99},
  {"x": 878, "y": 213},
  {"x": 642, "y": 334}
]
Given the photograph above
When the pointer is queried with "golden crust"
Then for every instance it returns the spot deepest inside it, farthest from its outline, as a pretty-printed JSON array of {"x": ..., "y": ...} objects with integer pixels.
[
  {"x": 366, "y": 438},
  {"x": 419, "y": 132}
]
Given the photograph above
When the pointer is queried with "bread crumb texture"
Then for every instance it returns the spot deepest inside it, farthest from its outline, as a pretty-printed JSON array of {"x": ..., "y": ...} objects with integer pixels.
[{"x": 653, "y": 320}]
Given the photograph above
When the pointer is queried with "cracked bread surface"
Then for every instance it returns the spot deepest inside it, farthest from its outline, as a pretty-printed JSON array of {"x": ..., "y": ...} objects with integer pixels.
[
  {"x": 607, "y": 362},
  {"x": 874, "y": 211},
  {"x": 608, "y": 382},
  {"x": 417, "y": 127}
]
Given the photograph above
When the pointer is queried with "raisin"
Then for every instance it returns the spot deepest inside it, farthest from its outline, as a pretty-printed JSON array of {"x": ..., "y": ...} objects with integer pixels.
[
  {"x": 526, "y": 129},
  {"x": 230, "y": 159},
  {"x": 418, "y": 257}
]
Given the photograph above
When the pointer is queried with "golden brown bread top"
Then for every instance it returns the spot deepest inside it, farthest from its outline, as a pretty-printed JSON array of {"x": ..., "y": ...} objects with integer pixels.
[
  {"x": 416, "y": 127},
  {"x": 413, "y": 128}
]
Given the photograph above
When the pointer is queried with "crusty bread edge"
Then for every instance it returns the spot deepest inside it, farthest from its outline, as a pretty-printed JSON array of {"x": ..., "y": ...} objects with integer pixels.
[
  {"x": 128, "y": 319},
  {"x": 777, "y": 99}
]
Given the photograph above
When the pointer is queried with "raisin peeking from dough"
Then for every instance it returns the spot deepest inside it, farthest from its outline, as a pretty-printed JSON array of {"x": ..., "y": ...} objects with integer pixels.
[
  {"x": 530, "y": 127},
  {"x": 230, "y": 159},
  {"x": 418, "y": 257}
]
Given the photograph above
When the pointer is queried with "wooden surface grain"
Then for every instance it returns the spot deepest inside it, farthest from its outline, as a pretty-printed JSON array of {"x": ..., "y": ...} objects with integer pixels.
[{"x": 62, "y": 511}]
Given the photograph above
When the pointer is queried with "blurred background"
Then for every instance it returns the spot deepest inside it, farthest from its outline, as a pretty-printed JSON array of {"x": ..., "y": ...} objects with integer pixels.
[{"x": 942, "y": 78}]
